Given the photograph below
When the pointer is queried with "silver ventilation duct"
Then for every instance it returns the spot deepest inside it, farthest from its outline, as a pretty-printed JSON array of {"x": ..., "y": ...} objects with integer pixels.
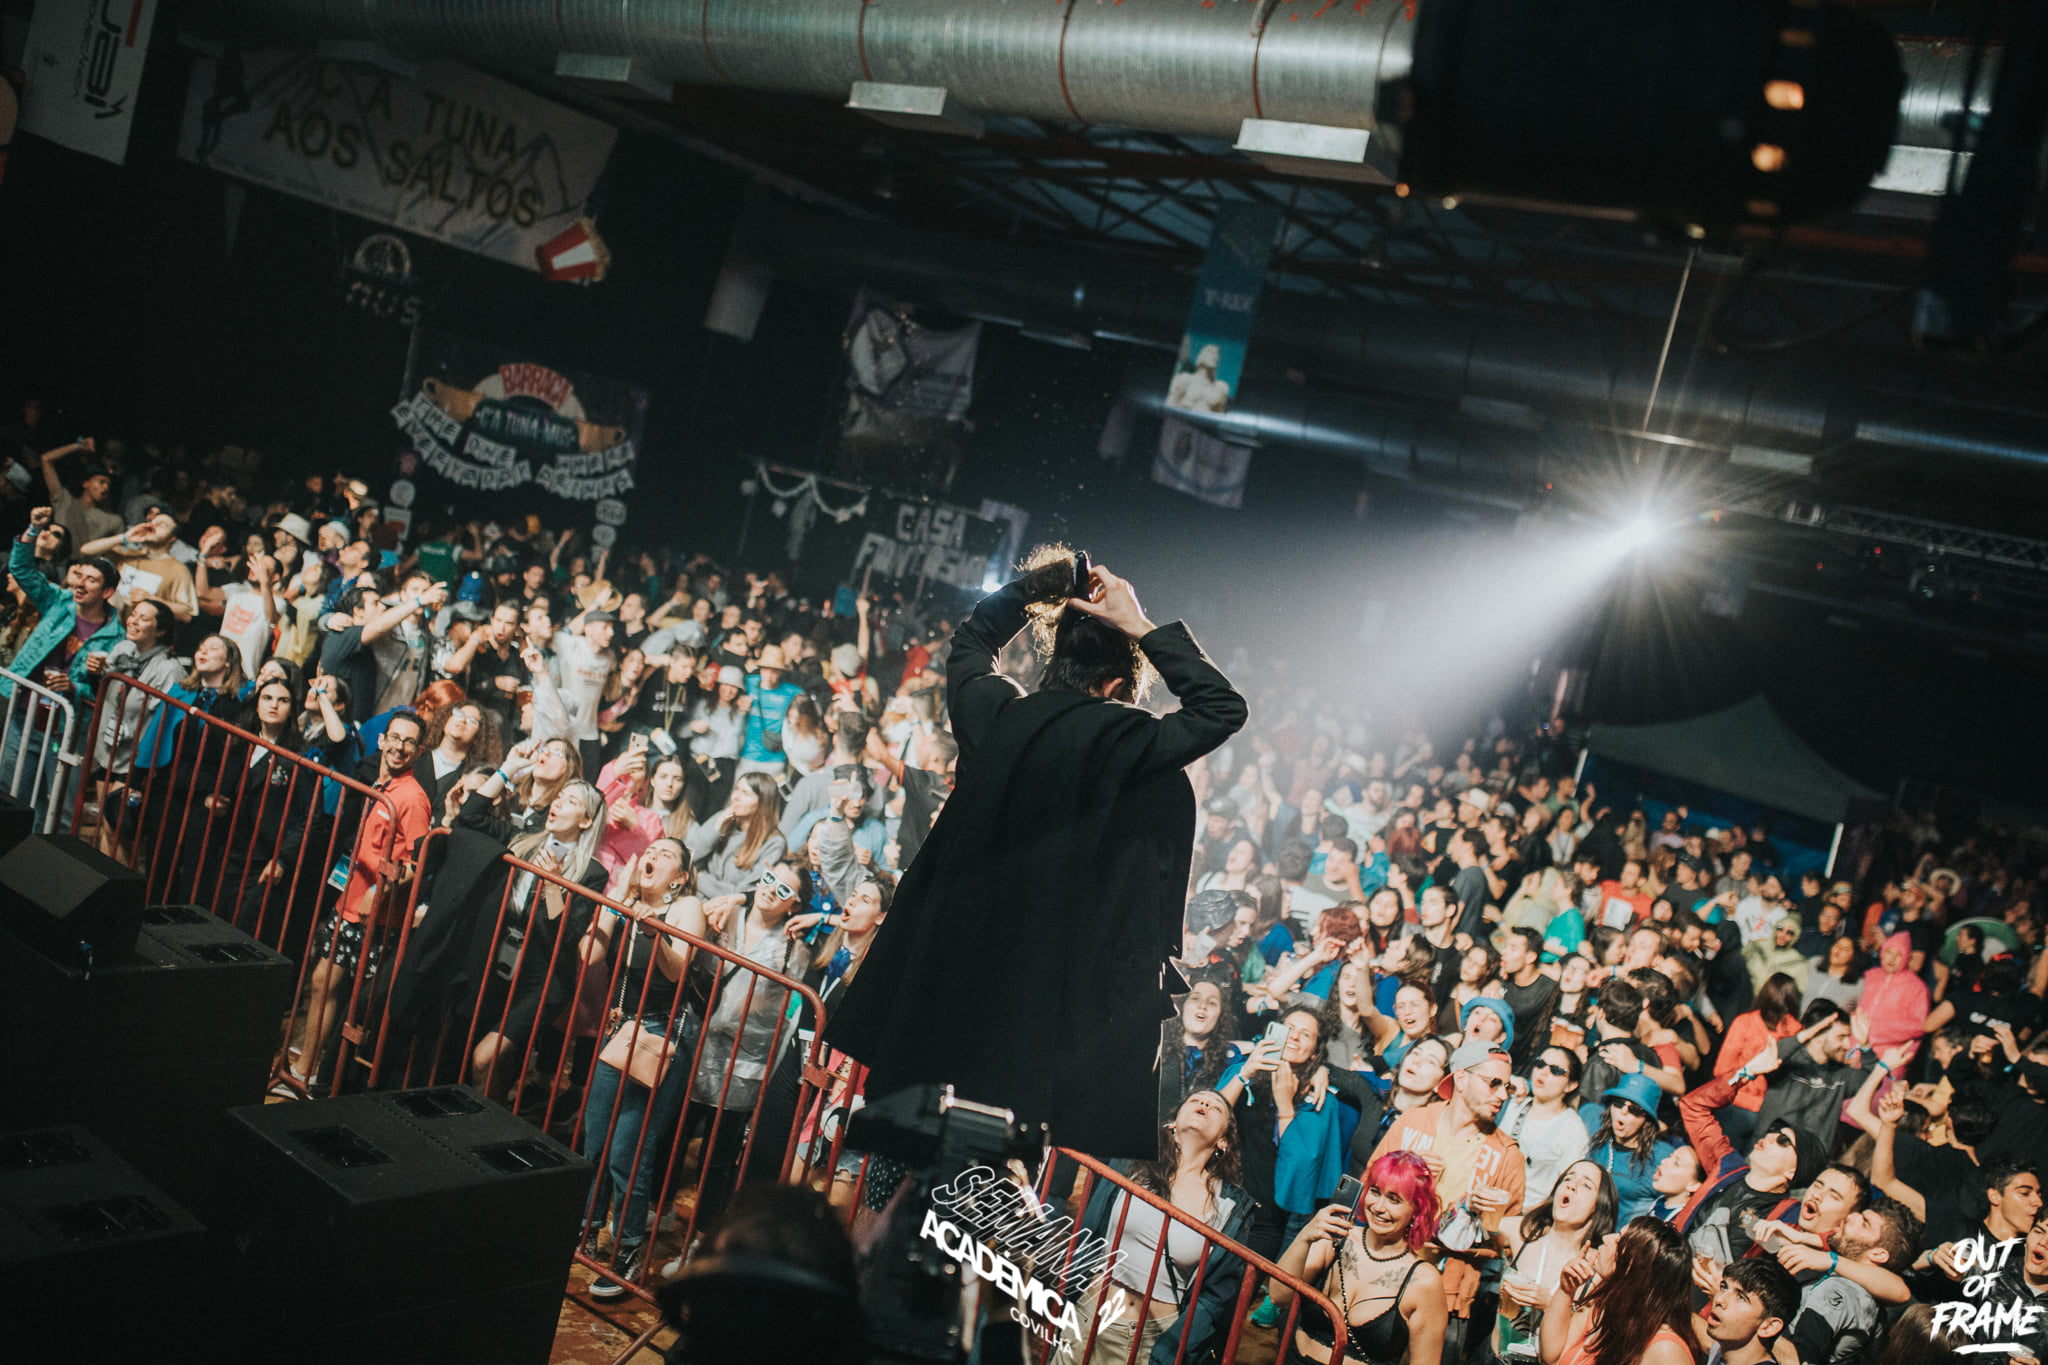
[{"x": 1167, "y": 66}]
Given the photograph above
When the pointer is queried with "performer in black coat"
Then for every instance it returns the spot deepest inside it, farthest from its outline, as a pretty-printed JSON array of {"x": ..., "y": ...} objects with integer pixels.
[{"x": 1025, "y": 960}]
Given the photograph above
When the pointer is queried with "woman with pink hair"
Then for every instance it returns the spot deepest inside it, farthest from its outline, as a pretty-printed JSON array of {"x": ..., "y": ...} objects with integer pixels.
[
  {"x": 1894, "y": 998},
  {"x": 1369, "y": 1262}
]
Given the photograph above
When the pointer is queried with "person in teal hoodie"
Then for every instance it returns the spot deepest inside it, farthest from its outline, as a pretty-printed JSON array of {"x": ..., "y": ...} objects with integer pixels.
[{"x": 76, "y": 627}]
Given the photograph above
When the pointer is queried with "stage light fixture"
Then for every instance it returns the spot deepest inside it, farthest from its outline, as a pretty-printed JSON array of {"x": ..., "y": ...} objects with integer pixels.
[{"x": 1676, "y": 112}]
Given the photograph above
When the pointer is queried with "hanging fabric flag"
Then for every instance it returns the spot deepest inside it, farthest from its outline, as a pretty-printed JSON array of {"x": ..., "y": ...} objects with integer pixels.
[
  {"x": 1200, "y": 465},
  {"x": 1220, "y": 319}
]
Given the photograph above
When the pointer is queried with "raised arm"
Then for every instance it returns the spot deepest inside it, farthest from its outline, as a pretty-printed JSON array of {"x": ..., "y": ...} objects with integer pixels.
[
  {"x": 1884, "y": 1169},
  {"x": 1211, "y": 711},
  {"x": 975, "y": 690},
  {"x": 50, "y": 459}
]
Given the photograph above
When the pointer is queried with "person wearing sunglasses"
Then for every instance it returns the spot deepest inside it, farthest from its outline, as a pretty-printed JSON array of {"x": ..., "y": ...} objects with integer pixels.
[
  {"x": 744, "y": 1025},
  {"x": 1628, "y": 1144},
  {"x": 1738, "y": 1190},
  {"x": 1543, "y": 1122}
]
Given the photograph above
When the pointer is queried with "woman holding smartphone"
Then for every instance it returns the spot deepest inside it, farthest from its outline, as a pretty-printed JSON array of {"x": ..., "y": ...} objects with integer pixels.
[{"x": 1369, "y": 1261}]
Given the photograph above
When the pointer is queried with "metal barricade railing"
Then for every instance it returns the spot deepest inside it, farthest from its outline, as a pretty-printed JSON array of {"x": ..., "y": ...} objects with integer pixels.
[
  {"x": 198, "y": 789},
  {"x": 39, "y": 719},
  {"x": 637, "y": 1135},
  {"x": 1093, "y": 1170},
  {"x": 263, "y": 855}
]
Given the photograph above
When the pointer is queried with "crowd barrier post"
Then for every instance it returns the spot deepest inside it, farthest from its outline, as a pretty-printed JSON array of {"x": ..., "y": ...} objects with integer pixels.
[
  {"x": 177, "y": 820},
  {"x": 31, "y": 715},
  {"x": 1255, "y": 1265}
]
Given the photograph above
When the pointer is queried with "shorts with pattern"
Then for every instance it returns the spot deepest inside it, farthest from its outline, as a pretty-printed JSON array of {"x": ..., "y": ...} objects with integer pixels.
[{"x": 344, "y": 946}]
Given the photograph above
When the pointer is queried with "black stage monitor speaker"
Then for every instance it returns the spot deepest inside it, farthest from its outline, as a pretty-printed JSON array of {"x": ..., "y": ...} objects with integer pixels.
[
  {"x": 424, "y": 1216},
  {"x": 89, "y": 1247},
  {"x": 151, "y": 1051},
  {"x": 17, "y": 820},
  {"x": 69, "y": 899}
]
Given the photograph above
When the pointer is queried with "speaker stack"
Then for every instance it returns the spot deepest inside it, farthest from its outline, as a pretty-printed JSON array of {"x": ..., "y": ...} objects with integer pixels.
[
  {"x": 412, "y": 1225},
  {"x": 149, "y": 1050},
  {"x": 92, "y": 1251}
]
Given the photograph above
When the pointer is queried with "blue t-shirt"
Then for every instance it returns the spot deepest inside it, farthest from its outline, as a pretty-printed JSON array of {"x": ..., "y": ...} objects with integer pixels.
[
  {"x": 1384, "y": 991},
  {"x": 764, "y": 717},
  {"x": 1631, "y": 1181},
  {"x": 1568, "y": 929}
]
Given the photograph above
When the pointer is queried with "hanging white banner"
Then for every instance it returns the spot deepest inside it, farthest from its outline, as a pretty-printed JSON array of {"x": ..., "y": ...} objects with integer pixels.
[
  {"x": 454, "y": 155},
  {"x": 84, "y": 66}
]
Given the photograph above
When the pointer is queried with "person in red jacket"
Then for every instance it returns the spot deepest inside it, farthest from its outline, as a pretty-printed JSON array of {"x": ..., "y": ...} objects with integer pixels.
[{"x": 396, "y": 821}]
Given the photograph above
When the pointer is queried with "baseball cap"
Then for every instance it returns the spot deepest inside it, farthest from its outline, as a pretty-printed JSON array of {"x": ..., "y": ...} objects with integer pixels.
[{"x": 1468, "y": 1056}]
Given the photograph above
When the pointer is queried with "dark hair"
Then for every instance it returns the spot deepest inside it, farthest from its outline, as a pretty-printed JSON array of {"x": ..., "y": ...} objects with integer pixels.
[
  {"x": 1621, "y": 1004},
  {"x": 1660, "y": 1000},
  {"x": 1999, "y": 1174},
  {"x": 1345, "y": 845},
  {"x": 110, "y": 577},
  {"x": 1769, "y": 1284},
  {"x": 1334, "y": 827},
  {"x": 1645, "y": 1149},
  {"x": 406, "y": 713},
  {"x": 1777, "y": 998},
  {"x": 852, "y": 729},
  {"x": 63, "y": 534},
  {"x": 351, "y": 597},
  {"x": 1532, "y": 937},
  {"x": 1606, "y": 1209},
  {"x": 1599, "y": 938},
  {"x": 1651, "y": 1289},
  {"x": 291, "y": 738},
  {"x": 2002, "y": 976},
  {"x": 1902, "y": 1234},
  {"x": 1970, "y": 1120},
  {"x": 1913, "y": 1340},
  {"x": 1862, "y": 1199},
  {"x": 1225, "y": 1163},
  {"x": 1574, "y": 1068},
  {"x": 1820, "y": 1011},
  {"x": 771, "y": 1226}
]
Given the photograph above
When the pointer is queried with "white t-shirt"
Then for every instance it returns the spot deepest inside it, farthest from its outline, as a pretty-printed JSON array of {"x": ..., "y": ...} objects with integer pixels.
[
  {"x": 1548, "y": 1146},
  {"x": 580, "y": 672},
  {"x": 1754, "y": 918}
]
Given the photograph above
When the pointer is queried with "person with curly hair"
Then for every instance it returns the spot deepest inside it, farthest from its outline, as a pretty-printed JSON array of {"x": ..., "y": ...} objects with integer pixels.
[{"x": 1369, "y": 1262}]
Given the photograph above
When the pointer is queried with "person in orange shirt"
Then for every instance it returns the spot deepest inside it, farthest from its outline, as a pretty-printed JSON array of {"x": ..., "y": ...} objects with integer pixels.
[
  {"x": 392, "y": 827},
  {"x": 1480, "y": 1176}
]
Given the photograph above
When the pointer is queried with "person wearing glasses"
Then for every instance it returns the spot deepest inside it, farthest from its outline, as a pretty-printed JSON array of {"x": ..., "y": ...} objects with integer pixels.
[
  {"x": 1544, "y": 1124},
  {"x": 395, "y": 822},
  {"x": 744, "y": 1026},
  {"x": 1717, "y": 1221},
  {"x": 1026, "y": 961}
]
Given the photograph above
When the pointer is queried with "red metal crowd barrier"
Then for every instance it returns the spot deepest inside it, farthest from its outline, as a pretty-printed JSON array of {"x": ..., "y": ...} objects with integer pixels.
[
  {"x": 197, "y": 831},
  {"x": 1247, "y": 1290},
  {"x": 190, "y": 823},
  {"x": 182, "y": 813}
]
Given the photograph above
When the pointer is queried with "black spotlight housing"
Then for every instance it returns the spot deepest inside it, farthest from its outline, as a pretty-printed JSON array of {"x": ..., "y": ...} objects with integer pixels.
[{"x": 1678, "y": 112}]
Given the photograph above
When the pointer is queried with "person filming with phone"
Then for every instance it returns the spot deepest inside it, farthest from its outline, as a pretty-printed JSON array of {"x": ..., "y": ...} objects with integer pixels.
[
  {"x": 1365, "y": 1248},
  {"x": 1025, "y": 961}
]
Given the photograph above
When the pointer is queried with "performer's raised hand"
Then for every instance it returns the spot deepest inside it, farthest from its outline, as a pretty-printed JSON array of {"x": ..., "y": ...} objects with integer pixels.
[{"x": 1111, "y": 599}]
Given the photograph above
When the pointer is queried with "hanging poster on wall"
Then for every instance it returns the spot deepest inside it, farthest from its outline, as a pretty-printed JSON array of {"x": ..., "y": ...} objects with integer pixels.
[
  {"x": 492, "y": 418},
  {"x": 82, "y": 67},
  {"x": 1220, "y": 319},
  {"x": 453, "y": 154}
]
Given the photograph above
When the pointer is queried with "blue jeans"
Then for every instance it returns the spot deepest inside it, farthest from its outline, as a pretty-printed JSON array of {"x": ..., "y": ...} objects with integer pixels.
[
  {"x": 620, "y": 1186},
  {"x": 22, "y": 735}
]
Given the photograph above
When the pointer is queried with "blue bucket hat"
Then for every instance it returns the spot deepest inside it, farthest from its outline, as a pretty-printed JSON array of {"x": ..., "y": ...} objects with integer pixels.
[
  {"x": 1638, "y": 1090},
  {"x": 1499, "y": 1007}
]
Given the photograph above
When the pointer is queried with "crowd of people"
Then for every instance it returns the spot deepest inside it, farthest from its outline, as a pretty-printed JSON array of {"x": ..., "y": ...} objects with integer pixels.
[{"x": 1504, "y": 1068}]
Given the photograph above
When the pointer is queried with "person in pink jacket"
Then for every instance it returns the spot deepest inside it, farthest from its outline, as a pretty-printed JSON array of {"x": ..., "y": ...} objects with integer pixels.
[{"x": 643, "y": 803}]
